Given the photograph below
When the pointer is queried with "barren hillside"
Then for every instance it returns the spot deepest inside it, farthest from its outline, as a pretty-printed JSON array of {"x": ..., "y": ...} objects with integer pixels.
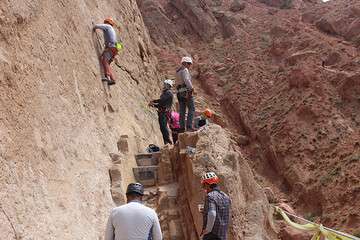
[
  {"x": 56, "y": 126},
  {"x": 285, "y": 76}
]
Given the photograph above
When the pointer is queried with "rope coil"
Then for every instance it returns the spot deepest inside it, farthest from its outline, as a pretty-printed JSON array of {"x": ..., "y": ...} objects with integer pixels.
[{"x": 318, "y": 229}]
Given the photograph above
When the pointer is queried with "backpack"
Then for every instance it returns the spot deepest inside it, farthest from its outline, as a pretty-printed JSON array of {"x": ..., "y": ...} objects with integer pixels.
[{"x": 152, "y": 148}]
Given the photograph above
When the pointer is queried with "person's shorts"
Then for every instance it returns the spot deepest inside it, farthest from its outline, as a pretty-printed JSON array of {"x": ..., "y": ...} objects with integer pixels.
[{"x": 109, "y": 54}]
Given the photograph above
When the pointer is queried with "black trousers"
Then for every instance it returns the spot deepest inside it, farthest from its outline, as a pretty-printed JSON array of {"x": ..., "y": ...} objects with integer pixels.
[
  {"x": 163, "y": 127},
  {"x": 174, "y": 133}
]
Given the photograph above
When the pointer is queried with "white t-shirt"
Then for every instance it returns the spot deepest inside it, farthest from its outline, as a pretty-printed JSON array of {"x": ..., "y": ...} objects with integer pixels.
[{"x": 133, "y": 221}]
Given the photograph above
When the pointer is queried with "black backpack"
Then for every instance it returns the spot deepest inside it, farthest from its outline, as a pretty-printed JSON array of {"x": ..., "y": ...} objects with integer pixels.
[{"x": 152, "y": 148}]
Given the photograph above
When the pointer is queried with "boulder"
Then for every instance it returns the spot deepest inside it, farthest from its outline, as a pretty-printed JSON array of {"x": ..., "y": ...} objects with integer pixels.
[
  {"x": 290, "y": 233},
  {"x": 298, "y": 79},
  {"x": 278, "y": 3},
  {"x": 332, "y": 59},
  {"x": 115, "y": 158},
  {"x": 117, "y": 195},
  {"x": 198, "y": 16},
  {"x": 287, "y": 208},
  {"x": 350, "y": 88},
  {"x": 122, "y": 144},
  {"x": 237, "y": 6},
  {"x": 165, "y": 172},
  {"x": 270, "y": 195},
  {"x": 214, "y": 3},
  {"x": 353, "y": 30},
  {"x": 242, "y": 140},
  {"x": 301, "y": 56},
  {"x": 115, "y": 175},
  {"x": 326, "y": 26},
  {"x": 155, "y": 16},
  {"x": 226, "y": 22}
]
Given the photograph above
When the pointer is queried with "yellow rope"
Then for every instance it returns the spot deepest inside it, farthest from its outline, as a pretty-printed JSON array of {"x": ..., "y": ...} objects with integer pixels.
[{"x": 318, "y": 229}]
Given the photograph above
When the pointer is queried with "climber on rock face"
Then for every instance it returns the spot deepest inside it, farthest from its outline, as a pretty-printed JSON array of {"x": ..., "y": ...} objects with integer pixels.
[
  {"x": 216, "y": 213},
  {"x": 164, "y": 104},
  {"x": 185, "y": 92},
  {"x": 133, "y": 220},
  {"x": 112, "y": 46}
]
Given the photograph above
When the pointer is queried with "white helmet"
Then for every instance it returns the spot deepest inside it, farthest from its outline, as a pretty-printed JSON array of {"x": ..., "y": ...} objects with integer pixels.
[
  {"x": 186, "y": 60},
  {"x": 169, "y": 82}
]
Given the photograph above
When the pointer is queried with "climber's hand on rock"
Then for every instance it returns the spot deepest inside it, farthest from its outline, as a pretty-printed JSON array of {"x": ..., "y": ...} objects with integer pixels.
[
  {"x": 201, "y": 208},
  {"x": 202, "y": 233}
]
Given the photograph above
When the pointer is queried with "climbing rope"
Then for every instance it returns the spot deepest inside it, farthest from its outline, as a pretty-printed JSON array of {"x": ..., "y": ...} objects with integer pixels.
[{"x": 319, "y": 229}]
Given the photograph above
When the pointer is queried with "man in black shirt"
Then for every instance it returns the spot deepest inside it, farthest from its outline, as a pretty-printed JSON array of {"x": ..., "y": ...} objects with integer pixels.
[{"x": 164, "y": 104}]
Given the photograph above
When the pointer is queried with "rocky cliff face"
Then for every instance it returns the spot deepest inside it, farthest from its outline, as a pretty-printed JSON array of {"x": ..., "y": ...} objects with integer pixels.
[
  {"x": 281, "y": 75},
  {"x": 57, "y": 126},
  {"x": 285, "y": 77}
]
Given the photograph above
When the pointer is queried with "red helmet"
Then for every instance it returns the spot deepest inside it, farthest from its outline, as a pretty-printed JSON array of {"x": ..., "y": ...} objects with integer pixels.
[
  {"x": 110, "y": 21},
  {"x": 210, "y": 178}
]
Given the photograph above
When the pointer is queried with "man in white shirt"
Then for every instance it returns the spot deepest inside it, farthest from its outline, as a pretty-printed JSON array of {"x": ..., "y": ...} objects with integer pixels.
[{"x": 133, "y": 221}]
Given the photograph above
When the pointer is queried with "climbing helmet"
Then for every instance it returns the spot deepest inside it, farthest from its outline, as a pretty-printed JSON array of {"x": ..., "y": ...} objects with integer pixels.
[
  {"x": 209, "y": 178},
  {"x": 187, "y": 60},
  {"x": 137, "y": 188},
  {"x": 169, "y": 82},
  {"x": 110, "y": 21}
]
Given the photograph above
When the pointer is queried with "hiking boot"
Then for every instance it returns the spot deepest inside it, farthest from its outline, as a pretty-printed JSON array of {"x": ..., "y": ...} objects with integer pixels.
[
  {"x": 181, "y": 130},
  {"x": 191, "y": 129},
  {"x": 111, "y": 82},
  {"x": 105, "y": 79}
]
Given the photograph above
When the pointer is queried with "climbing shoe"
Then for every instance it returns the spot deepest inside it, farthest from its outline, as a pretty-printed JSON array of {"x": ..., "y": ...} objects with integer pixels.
[
  {"x": 181, "y": 130},
  {"x": 111, "y": 82},
  {"x": 191, "y": 129},
  {"x": 105, "y": 79}
]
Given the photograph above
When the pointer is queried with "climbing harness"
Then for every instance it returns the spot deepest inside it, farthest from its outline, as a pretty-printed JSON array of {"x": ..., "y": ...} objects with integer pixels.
[{"x": 319, "y": 229}]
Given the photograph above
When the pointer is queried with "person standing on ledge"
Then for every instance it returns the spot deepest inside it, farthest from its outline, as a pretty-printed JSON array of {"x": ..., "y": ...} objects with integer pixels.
[
  {"x": 164, "y": 104},
  {"x": 185, "y": 92}
]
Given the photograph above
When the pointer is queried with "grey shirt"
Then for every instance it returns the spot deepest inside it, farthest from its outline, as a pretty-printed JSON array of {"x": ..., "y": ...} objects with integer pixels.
[
  {"x": 183, "y": 76},
  {"x": 109, "y": 34}
]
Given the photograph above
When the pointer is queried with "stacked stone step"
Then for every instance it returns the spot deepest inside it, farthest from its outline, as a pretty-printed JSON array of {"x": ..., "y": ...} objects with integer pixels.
[{"x": 147, "y": 171}]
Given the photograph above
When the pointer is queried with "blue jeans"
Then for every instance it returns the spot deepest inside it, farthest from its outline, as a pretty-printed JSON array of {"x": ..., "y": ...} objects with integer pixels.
[{"x": 189, "y": 104}]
